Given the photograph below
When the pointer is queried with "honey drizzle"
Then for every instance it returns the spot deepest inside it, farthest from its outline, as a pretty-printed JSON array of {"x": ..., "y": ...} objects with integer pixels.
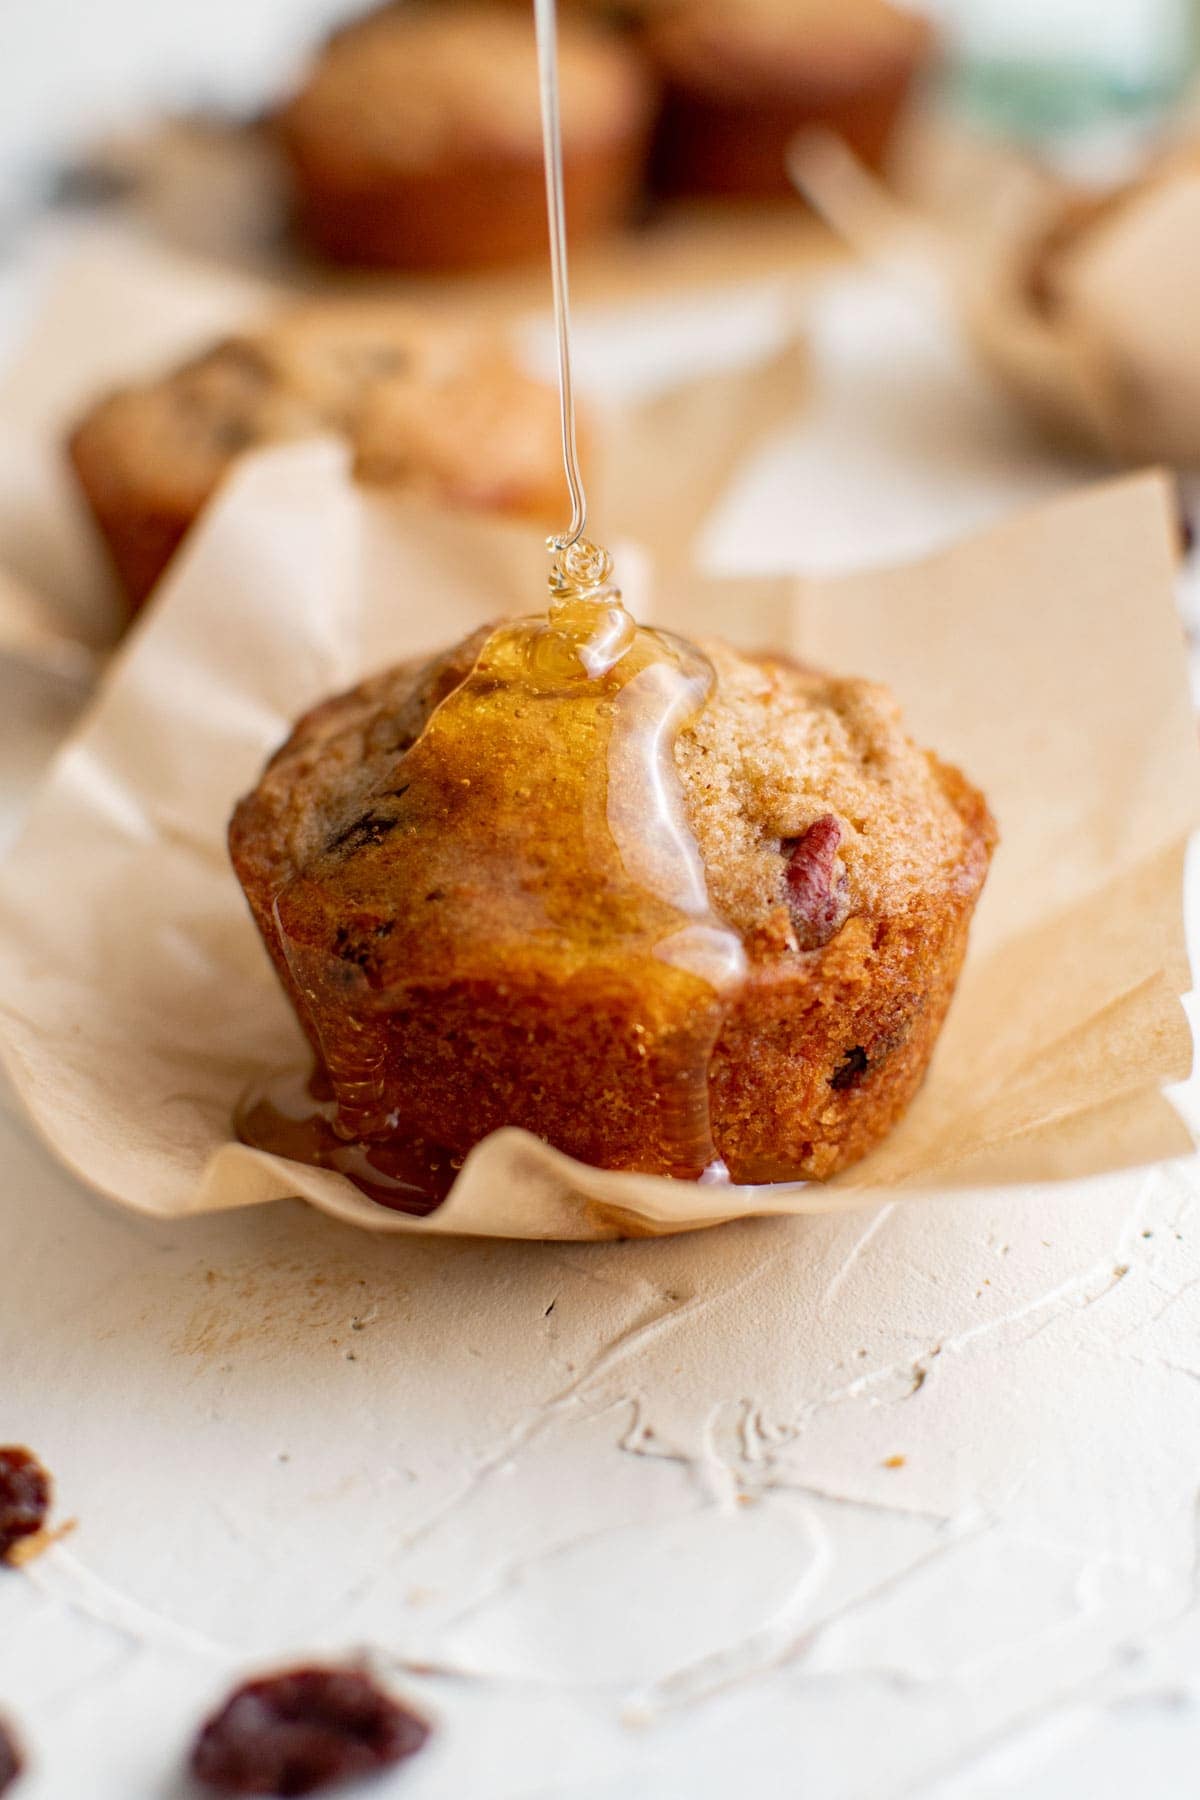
[
  {"x": 294, "y": 1115},
  {"x": 538, "y": 818},
  {"x": 545, "y": 13}
]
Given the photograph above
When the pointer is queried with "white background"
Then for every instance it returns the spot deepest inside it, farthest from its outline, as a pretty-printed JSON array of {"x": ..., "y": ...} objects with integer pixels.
[{"x": 620, "y": 1517}]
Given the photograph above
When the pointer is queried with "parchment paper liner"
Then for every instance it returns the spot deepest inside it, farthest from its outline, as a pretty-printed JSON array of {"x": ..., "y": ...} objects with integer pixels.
[
  {"x": 1114, "y": 367},
  {"x": 136, "y": 1002},
  {"x": 218, "y": 189},
  {"x": 122, "y": 308}
]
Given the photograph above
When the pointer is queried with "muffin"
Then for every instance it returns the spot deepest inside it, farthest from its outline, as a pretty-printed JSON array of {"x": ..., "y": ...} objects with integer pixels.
[
  {"x": 416, "y": 142},
  {"x": 424, "y": 407},
  {"x": 741, "y": 77},
  {"x": 706, "y": 916}
]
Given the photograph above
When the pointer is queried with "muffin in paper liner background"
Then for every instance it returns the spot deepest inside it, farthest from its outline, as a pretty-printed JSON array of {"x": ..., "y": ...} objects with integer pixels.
[
  {"x": 1081, "y": 306},
  {"x": 121, "y": 311},
  {"x": 415, "y": 141}
]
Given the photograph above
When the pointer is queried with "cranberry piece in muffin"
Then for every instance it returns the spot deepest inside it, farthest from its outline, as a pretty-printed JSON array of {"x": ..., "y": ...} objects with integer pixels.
[{"x": 817, "y": 895}]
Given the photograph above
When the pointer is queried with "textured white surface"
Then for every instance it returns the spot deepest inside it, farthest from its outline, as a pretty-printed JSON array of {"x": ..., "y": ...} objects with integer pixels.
[
  {"x": 622, "y": 1518},
  {"x": 632, "y": 1502}
]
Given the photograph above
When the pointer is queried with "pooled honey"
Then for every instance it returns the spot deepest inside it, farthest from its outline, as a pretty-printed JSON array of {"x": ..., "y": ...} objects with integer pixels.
[{"x": 531, "y": 847}]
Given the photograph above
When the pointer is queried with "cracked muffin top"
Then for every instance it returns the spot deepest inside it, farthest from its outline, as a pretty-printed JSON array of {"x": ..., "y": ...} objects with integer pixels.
[
  {"x": 413, "y": 85},
  {"x": 807, "y": 799},
  {"x": 423, "y": 404}
]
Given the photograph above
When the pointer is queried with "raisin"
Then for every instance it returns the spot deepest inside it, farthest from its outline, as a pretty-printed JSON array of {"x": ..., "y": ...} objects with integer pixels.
[
  {"x": 10, "y": 1758},
  {"x": 360, "y": 945},
  {"x": 851, "y": 1069},
  {"x": 304, "y": 1730},
  {"x": 24, "y": 1496},
  {"x": 817, "y": 903}
]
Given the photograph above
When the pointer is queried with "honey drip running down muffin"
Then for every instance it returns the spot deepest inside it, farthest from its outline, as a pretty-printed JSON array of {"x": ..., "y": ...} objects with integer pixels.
[
  {"x": 416, "y": 141},
  {"x": 668, "y": 907},
  {"x": 425, "y": 407},
  {"x": 742, "y": 77}
]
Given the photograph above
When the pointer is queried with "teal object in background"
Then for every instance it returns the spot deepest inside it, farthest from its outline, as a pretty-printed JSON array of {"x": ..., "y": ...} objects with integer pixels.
[
  {"x": 1045, "y": 69},
  {"x": 1036, "y": 99}
]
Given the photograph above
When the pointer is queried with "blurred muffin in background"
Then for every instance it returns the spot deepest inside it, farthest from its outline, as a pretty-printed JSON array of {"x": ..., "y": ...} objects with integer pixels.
[
  {"x": 425, "y": 407},
  {"x": 614, "y": 12},
  {"x": 416, "y": 141},
  {"x": 741, "y": 77}
]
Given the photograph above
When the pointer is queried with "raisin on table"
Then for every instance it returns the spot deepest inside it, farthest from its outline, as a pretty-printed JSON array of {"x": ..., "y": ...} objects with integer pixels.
[
  {"x": 10, "y": 1758},
  {"x": 24, "y": 1496},
  {"x": 302, "y": 1731}
]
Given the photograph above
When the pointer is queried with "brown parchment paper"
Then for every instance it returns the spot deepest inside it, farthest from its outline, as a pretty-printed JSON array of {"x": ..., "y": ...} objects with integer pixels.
[
  {"x": 136, "y": 1003},
  {"x": 1107, "y": 359},
  {"x": 219, "y": 189},
  {"x": 123, "y": 308}
]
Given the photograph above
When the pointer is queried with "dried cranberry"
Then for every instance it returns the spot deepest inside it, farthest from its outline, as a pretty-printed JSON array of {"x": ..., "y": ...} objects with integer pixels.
[
  {"x": 851, "y": 1069},
  {"x": 24, "y": 1496},
  {"x": 303, "y": 1730},
  {"x": 10, "y": 1758},
  {"x": 817, "y": 903}
]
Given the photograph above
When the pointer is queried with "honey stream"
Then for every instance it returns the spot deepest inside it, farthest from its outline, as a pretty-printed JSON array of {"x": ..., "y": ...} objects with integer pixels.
[{"x": 525, "y": 868}]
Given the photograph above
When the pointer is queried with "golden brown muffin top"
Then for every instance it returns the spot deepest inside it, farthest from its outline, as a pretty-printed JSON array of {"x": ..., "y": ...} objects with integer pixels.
[
  {"x": 777, "y": 44},
  {"x": 425, "y": 406},
  {"x": 411, "y": 86},
  {"x": 808, "y": 801},
  {"x": 780, "y": 747}
]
